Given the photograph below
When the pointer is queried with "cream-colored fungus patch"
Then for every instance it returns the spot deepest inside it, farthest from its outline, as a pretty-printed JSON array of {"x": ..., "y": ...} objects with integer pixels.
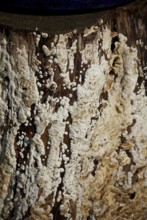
[{"x": 76, "y": 142}]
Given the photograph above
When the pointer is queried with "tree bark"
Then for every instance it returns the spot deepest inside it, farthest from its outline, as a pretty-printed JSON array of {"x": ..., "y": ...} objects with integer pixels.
[{"x": 73, "y": 118}]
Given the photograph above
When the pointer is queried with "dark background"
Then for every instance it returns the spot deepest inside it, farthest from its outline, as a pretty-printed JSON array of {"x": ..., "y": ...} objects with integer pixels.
[{"x": 55, "y": 6}]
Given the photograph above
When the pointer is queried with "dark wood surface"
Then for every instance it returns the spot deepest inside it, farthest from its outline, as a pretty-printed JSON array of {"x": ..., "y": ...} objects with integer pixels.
[{"x": 60, "y": 24}]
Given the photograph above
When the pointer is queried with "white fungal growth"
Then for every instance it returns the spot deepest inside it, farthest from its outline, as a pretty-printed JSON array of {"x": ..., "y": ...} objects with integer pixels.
[
  {"x": 46, "y": 50},
  {"x": 38, "y": 37},
  {"x": 90, "y": 30},
  {"x": 66, "y": 78},
  {"x": 44, "y": 35},
  {"x": 56, "y": 60},
  {"x": 62, "y": 52},
  {"x": 91, "y": 137}
]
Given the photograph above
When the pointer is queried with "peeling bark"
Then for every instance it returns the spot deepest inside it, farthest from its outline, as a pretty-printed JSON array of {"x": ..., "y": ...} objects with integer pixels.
[{"x": 73, "y": 118}]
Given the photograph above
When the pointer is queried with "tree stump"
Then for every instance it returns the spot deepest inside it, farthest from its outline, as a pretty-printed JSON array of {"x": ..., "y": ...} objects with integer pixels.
[{"x": 73, "y": 116}]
